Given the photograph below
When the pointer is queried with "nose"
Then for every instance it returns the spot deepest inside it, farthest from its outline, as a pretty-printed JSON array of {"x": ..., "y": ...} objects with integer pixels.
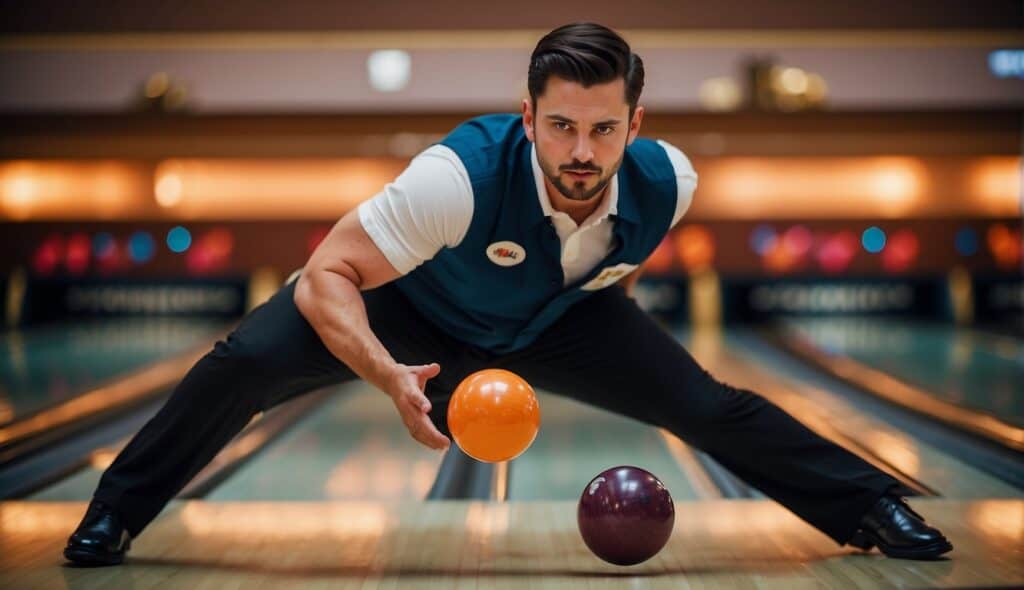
[{"x": 582, "y": 151}]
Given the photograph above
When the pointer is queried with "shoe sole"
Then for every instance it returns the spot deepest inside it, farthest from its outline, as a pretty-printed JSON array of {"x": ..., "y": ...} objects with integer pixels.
[
  {"x": 865, "y": 541},
  {"x": 92, "y": 558}
]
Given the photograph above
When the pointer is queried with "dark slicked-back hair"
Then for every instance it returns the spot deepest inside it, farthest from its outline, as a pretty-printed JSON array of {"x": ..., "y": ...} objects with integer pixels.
[{"x": 588, "y": 54}]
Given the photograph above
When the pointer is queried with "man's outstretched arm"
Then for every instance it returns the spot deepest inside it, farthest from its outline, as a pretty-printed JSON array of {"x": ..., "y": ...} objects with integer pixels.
[{"x": 328, "y": 296}]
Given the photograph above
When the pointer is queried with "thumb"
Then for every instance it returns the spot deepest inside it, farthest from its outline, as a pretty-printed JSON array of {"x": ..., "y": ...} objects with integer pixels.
[{"x": 428, "y": 371}]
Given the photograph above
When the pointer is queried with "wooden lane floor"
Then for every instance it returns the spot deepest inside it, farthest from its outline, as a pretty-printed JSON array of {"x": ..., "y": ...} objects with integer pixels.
[
  {"x": 576, "y": 442},
  {"x": 457, "y": 544},
  {"x": 813, "y": 403},
  {"x": 960, "y": 366},
  {"x": 45, "y": 365},
  {"x": 353, "y": 447}
]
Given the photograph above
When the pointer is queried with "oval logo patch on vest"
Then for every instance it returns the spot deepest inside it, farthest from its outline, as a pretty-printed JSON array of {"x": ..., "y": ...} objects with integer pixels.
[{"x": 506, "y": 253}]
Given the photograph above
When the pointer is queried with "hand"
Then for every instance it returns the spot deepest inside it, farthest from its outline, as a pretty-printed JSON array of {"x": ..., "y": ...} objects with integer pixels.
[{"x": 407, "y": 393}]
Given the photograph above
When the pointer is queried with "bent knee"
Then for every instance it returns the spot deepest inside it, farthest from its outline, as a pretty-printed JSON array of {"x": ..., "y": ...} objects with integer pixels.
[
  {"x": 248, "y": 356},
  {"x": 714, "y": 405}
]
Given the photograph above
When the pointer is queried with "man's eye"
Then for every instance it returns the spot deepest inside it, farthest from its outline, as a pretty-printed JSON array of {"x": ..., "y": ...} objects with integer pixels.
[
  {"x": 562, "y": 126},
  {"x": 605, "y": 130}
]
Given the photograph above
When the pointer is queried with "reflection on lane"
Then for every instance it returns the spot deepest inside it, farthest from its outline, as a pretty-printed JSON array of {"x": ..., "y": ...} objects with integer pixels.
[
  {"x": 46, "y": 365},
  {"x": 576, "y": 442},
  {"x": 974, "y": 370},
  {"x": 352, "y": 448},
  {"x": 744, "y": 360},
  {"x": 79, "y": 486}
]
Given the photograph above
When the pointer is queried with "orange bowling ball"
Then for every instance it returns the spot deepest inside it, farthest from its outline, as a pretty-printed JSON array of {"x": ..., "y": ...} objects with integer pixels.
[{"x": 493, "y": 415}]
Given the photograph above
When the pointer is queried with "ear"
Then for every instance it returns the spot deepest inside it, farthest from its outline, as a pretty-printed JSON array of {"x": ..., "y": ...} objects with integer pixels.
[
  {"x": 528, "y": 119},
  {"x": 634, "y": 124}
]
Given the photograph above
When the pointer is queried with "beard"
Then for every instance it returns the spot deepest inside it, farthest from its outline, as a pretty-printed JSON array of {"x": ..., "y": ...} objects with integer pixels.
[{"x": 578, "y": 191}]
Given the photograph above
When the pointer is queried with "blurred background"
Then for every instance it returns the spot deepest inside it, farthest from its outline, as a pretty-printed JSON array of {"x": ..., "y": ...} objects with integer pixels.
[
  {"x": 859, "y": 196},
  {"x": 210, "y": 139}
]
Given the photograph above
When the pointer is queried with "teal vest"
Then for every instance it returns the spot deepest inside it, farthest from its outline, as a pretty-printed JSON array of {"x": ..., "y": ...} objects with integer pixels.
[{"x": 500, "y": 296}]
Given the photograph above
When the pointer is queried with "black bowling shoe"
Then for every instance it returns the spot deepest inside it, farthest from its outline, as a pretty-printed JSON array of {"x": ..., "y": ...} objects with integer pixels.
[
  {"x": 898, "y": 531},
  {"x": 100, "y": 539}
]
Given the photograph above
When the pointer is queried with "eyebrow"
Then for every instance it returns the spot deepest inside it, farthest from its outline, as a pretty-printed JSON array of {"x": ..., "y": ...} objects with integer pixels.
[{"x": 604, "y": 123}]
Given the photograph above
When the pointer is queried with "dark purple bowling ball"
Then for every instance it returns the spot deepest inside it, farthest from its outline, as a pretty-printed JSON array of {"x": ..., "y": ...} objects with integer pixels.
[{"x": 625, "y": 515}]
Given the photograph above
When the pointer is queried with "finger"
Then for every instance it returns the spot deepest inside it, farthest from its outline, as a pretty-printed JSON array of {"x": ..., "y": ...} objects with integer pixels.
[
  {"x": 429, "y": 435},
  {"x": 425, "y": 373},
  {"x": 418, "y": 401}
]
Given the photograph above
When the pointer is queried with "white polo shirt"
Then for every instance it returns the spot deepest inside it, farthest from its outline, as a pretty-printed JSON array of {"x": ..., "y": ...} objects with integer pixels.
[{"x": 430, "y": 206}]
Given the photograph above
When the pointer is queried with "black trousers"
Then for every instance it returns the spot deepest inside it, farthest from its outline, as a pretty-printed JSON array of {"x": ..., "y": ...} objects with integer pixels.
[{"x": 605, "y": 351}]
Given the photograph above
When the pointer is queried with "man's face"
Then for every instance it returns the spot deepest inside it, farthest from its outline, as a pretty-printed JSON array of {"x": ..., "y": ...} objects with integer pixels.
[{"x": 580, "y": 134}]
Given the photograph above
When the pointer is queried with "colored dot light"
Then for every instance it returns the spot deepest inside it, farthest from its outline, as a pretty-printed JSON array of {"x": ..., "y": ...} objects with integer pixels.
[
  {"x": 901, "y": 251},
  {"x": 102, "y": 244},
  {"x": 1007, "y": 63},
  {"x": 695, "y": 247},
  {"x": 762, "y": 239},
  {"x": 141, "y": 247},
  {"x": 179, "y": 239},
  {"x": 798, "y": 240},
  {"x": 837, "y": 251},
  {"x": 873, "y": 239},
  {"x": 966, "y": 241},
  {"x": 48, "y": 255},
  {"x": 76, "y": 255}
]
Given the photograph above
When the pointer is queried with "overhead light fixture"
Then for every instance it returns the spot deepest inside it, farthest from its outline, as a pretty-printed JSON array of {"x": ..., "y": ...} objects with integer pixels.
[{"x": 389, "y": 69}]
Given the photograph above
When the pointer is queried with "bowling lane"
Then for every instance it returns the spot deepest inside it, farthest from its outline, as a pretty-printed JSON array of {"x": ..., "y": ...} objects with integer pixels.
[
  {"x": 843, "y": 414},
  {"x": 352, "y": 448},
  {"x": 45, "y": 365},
  {"x": 79, "y": 486},
  {"x": 975, "y": 370},
  {"x": 576, "y": 442}
]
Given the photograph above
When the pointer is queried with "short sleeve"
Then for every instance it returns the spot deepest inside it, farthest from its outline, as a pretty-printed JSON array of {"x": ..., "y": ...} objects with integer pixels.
[
  {"x": 428, "y": 207},
  {"x": 686, "y": 179}
]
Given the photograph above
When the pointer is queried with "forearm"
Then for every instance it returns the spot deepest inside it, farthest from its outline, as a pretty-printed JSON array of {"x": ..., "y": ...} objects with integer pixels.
[{"x": 333, "y": 305}]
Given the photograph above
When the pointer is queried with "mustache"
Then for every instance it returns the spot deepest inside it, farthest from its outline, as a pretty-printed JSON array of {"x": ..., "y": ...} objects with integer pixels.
[{"x": 580, "y": 167}]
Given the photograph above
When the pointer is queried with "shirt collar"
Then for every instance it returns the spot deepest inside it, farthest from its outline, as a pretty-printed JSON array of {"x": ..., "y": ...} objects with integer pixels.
[{"x": 608, "y": 206}]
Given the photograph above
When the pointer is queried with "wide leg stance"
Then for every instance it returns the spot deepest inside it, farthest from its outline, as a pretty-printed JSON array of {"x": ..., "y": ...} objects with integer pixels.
[
  {"x": 272, "y": 356},
  {"x": 607, "y": 352}
]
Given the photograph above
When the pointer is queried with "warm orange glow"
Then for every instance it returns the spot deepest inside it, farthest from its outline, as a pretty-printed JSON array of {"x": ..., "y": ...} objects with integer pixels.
[
  {"x": 102, "y": 458},
  {"x": 885, "y": 386},
  {"x": 995, "y": 186},
  {"x": 661, "y": 260},
  {"x": 1005, "y": 245},
  {"x": 274, "y": 189},
  {"x": 754, "y": 516},
  {"x": 131, "y": 388},
  {"x": 1000, "y": 522},
  {"x": 62, "y": 190},
  {"x": 895, "y": 449},
  {"x": 804, "y": 187},
  {"x": 695, "y": 247},
  {"x": 167, "y": 184},
  {"x": 424, "y": 472},
  {"x": 379, "y": 469},
  {"x": 34, "y": 520},
  {"x": 484, "y": 520},
  {"x": 6, "y": 407},
  {"x": 261, "y": 522},
  {"x": 895, "y": 185},
  {"x": 756, "y": 188}
]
